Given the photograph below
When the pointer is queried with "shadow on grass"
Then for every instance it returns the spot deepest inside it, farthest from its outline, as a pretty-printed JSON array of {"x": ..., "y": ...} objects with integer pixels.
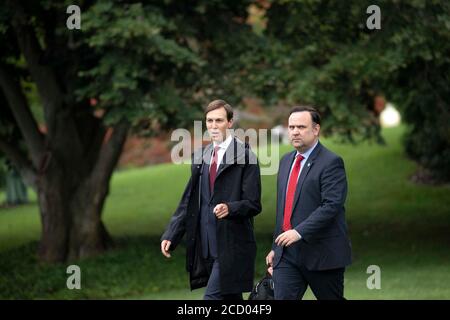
[{"x": 135, "y": 267}]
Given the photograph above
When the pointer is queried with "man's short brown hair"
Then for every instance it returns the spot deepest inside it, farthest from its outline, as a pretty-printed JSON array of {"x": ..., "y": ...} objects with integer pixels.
[
  {"x": 217, "y": 104},
  {"x": 315, "y": 115}
]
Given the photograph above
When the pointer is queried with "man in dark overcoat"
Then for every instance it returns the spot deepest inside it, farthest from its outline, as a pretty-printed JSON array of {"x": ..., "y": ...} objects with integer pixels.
[{"x": 216, "y": 211}]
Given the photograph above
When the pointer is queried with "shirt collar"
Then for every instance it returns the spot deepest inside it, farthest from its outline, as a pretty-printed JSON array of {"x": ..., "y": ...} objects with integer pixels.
[
  {"x": 308, "y": 152},
  {"x": 224, "y": 144}
]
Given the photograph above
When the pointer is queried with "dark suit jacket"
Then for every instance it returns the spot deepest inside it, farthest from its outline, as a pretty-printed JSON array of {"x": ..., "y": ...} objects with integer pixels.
[
  {"x": 318, "y": 211},
  {"x": 238, "y": 184}
]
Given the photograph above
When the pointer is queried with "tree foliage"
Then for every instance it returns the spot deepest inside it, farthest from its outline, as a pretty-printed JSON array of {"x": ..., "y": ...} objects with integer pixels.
[
  {"x": 322, "y": 53},
  {"x": 145, "y": 66}
]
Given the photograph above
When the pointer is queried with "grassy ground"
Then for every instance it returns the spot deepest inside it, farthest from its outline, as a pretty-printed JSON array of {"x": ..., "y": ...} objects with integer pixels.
[{"x": 401, "y": 227}]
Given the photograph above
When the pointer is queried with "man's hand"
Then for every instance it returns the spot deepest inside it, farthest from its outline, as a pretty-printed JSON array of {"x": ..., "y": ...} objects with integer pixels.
[
  {"x": 165, "y": 245},
  {"x": 269, "y": 261},
  {"x": 287, "y": 238},
  {"x": 269, "y": 258},
  {"x": 221, "y": 210}
]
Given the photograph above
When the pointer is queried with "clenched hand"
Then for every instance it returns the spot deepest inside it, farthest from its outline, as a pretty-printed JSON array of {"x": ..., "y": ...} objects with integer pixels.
[
  {"x": 165, "y": 245},
  {"x": 221, "y": 210}
]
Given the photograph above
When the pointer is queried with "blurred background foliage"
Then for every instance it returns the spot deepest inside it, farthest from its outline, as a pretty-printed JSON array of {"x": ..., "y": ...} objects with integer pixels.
[
  {"x": 322, "y": 53},
  {"x": 158, "y": 62}
]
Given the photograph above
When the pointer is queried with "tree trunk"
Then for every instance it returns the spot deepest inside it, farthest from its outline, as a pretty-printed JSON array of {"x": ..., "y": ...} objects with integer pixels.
[
  {"x": 88, "y": 234},
  {"x": 71, "y": 198},
  {"x": 72, "y": 162},
  {"x": 54, "y": 219},
  {"x": 71, "y": 219}
]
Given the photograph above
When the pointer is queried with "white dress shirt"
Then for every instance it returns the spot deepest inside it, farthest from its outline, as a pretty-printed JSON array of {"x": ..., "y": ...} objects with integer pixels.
[{"x": 223, "y": 146}]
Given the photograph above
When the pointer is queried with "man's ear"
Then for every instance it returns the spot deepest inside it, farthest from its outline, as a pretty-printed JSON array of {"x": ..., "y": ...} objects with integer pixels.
[
  {"x": 230, "y": 124},
  {"x": 317, "y": 129}
]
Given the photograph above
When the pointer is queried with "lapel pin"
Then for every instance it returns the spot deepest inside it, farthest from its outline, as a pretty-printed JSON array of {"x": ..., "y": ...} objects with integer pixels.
[{"x": 309, "y": 163}]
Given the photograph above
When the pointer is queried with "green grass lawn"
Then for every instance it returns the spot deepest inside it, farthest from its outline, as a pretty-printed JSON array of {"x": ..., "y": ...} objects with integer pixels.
[{"x": 399, "y": 226}]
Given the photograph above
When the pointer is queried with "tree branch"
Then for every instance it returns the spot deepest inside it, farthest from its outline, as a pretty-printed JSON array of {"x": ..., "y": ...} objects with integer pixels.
[
  {"x": 62, "y": 129},
  {"x": 21, "y": 162},
  {"x": 93, "y": 148},
  {"x": 46, "y": 80},
  {"x": 21, "y": 111},
  {"x": 110, "y": 152}
]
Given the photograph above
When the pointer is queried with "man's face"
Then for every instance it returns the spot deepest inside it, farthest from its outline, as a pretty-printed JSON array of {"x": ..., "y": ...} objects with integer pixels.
[
  {"x": 303, "y": 133},
  {"x": 217, "y": 124}
]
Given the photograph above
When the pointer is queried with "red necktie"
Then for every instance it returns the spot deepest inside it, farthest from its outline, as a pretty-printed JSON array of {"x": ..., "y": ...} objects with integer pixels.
[
  {"x": 292, "y": 185},
  {"x": 213, "y": 169}
]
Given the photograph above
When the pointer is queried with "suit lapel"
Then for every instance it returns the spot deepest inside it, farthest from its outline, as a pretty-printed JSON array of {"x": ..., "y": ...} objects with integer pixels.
[
  {"x": 207, "y": 154},
  {"x": 206, "y": 160},
  {"x": 308, "y": 165},
  {"x": 223, "y": 165},
  {"x": 199, "y": 159},
  {"x": 230, "y": 157}
]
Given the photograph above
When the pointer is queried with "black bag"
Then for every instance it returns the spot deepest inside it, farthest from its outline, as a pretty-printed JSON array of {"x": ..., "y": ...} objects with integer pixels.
[{"x": 263, "y": 290}]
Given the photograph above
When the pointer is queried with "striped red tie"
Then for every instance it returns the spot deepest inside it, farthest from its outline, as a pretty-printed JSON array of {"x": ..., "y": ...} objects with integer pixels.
[{"x": 292, "y": 186}]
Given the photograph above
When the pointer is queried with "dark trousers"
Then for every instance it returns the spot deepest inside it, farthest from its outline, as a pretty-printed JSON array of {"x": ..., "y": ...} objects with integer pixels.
[
  {"x": 213, "y": 288},
  {"x": 291, "y": 281}
]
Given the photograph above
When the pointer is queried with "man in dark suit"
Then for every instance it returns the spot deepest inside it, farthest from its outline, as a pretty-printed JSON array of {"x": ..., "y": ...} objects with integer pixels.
[
  {"x": 311, "y": 246},
  {"x": 216, "y": 212}
]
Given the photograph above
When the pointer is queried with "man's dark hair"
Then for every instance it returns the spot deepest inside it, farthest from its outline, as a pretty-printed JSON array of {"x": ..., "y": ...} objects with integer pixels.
[
  {"x": 217, "y": 104},
  {"x": 315, "y": 115}
]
